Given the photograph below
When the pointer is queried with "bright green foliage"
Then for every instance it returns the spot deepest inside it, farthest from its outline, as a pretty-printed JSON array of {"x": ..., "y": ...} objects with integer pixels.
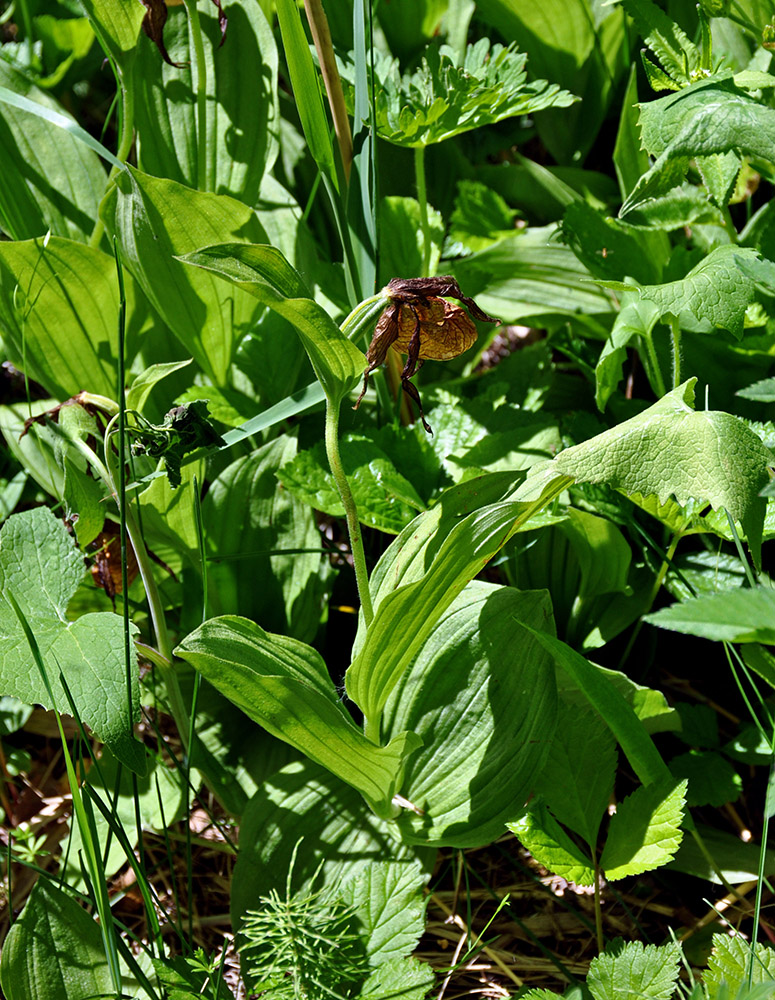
[
  {"x": 551, "y": 846},
  {"x": 578, "y": 778},
  {"x": 712, "y": 779},
  {"x": 52, "y": 182},
  {"x": 728, "y": 965},
  {"x": 481, "y": 696},
  {"x": 89, "y": 652},
  {"x": 408, "y": 978},
  {"x": 192, "y": 977},
  {"x": 447, "y": 96},
  {"x": 635, "y": 972},
  {"x": 738, "y": 615},
  {"x": 645, "y": 831},
  {"x": 713, "y": 295},
  {"x": 388, "y": 905},
  {"x": 283, "y": 684},
  {"x": 54, "y": 950},
  {"x": 157, "y": 220},
  {"x": 255, "y": 532},
  {"x": 265, "y": 273},
  {"x": 386, "y": 500},
  {"x": 712, "y": 457},
  {"x": 242, "y": 119},
  {"x": 117, "y": 25},
  {"x": 59, "y": 313},
  {"x": 710, "y": 117}
]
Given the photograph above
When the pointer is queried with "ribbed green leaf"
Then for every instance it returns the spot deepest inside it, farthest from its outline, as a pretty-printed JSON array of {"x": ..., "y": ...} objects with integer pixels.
[
  {"x": 284, "y": 685},
  {"x": 551, "y": 846},
  {"x": 242, "y": 111},
  {"x": 481, "y": 695},
  {"x": 265, "y": 273},
  {"x": 59, "y": 314},
  {"x": 407, "y": 616},
  {"x": 738, "y": 615},
  {"x": 54, "y": 950},
  {"x": 157, "y": 220},
  {"x": 51, "y": 180},
  {"x": 635, "y": 972},
  {"x": 116, "y": 24}
]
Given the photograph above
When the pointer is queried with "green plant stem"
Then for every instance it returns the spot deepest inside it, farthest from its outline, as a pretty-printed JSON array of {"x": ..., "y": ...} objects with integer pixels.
[
  {"x": 675, "y": 336},
  {"x": 422, "y": 198},
  {"x": 321, "y": 36},
  {"x": 155, "y": 605},
  {"x": 351, "y": 512},
  {"x": 656, "y": 374},
  {"x": 126, "y": 139},
  {"x": 598, "y": 909},
  {"x": 654, "y": 591},
  {"x": 201, "y": 95}
]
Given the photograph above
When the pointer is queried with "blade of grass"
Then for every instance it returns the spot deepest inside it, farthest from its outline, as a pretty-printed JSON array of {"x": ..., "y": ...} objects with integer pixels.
[{"x": 61, "y": 121}]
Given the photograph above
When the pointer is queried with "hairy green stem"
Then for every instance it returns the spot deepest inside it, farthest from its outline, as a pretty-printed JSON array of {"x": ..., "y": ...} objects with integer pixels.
[
  {"x": 422, "y": 197},
  {"x": 351, "y": 512},
  {"x": 655, "y": 374},
  {"x": 675, "y": 337},
  {"x": 202, "y": 180}
]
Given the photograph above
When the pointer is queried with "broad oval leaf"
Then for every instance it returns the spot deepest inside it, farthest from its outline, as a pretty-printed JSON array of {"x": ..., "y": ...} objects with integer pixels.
[
  {"x": 242, "y": 111},
  {"x": 736, "y": 615},
  {"x": 645, "y": 831},
  {"x": 51, "y": 181},
  {"x": 265, "y": 273},
  {"x": 42, "y": 568},
  {"x": 54, "y": 951},
  {"x": 283, "y": 685},
  {"x": 59, "y": 314},
  {"x": 482, "y": 696},
  {"x": 155, "y": 220}
]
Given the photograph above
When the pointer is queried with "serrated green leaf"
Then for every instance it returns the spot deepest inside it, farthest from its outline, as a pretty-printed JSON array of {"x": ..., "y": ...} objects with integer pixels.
[
  {"x": 284, "y": 685},
  {"x": 551, "y": 846},
  {"x": 719, "y": 174},
  {"x": 675, "y": 50},
  {"x": 762, "y": 391},
  {"x": 630, "y": 160},
  {"x": 54, "y": 950},
  {"x": 481, "y": 695},
  {"x": 578, "y": 777},
  {"x": 645, "y": 832},
  {"x": 265, "y": 273},
  {"x": 729, "y": 965},
  {"x": 635, "y": 972},
  {"x": 738, "y": 615},
  {"x": 671, "y": 450},
  {"x": 384, "y": 498},
  {"x": 710, "y": 117},
  {"x": 389, "y": 906},
  {"x": 41, "y": 566},
  {"x": 712, "y": 779},
  {"x": 480, "y": 218},
  {"x": 407, "y": 978},
  {"x": 714, "y": 295},
  {"x": 447, "y": 96}
]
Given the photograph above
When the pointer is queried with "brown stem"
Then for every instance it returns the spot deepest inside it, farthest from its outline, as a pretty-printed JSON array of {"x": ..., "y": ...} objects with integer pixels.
[{"x": 321, "y": 36}]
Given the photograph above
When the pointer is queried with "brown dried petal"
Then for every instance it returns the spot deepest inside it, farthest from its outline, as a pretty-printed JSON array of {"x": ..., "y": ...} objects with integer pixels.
[
  {"x": 446, "y": 330},
  {"x": 153, "y": 25}
]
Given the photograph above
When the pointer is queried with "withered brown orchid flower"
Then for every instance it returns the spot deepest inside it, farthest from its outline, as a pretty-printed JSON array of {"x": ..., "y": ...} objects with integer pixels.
[{"x": 419, "y": 322}]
